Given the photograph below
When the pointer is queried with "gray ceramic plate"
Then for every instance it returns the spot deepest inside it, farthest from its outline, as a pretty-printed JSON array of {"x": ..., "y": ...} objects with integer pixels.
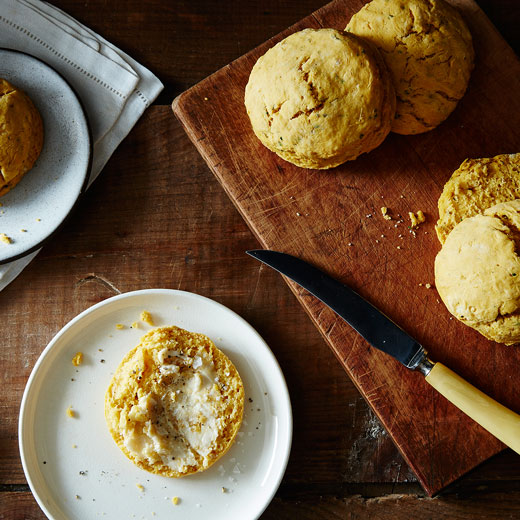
[{"x": 45, "y": 196}]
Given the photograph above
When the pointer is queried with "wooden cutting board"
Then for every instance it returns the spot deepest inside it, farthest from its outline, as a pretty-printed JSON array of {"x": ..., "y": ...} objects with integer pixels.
[{"x": 333, "y": 219}]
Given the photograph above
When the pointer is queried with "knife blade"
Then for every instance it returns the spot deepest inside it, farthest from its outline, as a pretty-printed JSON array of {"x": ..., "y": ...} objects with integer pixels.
[{"x": 383, "y": 334}]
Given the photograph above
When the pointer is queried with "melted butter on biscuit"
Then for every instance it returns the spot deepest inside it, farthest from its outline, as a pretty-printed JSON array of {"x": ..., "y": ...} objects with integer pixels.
[
  {"x": 183, "y": 419},
  {"x": 176, "y": 412}
]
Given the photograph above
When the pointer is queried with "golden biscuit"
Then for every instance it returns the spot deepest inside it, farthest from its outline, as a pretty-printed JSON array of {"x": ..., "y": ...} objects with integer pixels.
[
  {"x": 429, "y": 53},
  {"x": 320, "y": 98},
  {"x": 21, "y": 135},
  {"x": 477, "y": 272},
  {"x": 175, "y": 403},
  {"x": 475, "y": 186}
]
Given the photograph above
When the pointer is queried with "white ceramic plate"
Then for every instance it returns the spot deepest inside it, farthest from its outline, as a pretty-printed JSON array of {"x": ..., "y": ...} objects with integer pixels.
[
  {"x": 73, "y": 466},
  {"x": 45, "y": 196}
]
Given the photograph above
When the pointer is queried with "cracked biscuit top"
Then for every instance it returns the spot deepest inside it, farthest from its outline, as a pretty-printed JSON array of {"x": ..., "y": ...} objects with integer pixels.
[
  {"x": 477, "y": 272},
  {"x": 429, "y": 53},
  {"x": 475, "y": 186},
  {"x": 21, "y": 135},
  {"x": 320, "y": 98},
  {"x": 175, "y": 403}
]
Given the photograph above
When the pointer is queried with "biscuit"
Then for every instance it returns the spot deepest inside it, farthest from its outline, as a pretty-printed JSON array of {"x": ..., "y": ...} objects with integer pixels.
[
  {"x": 428, "y": 50},
  {"x": 175, "y": 403},
  {"x": 477, "y": 272},
  {"x": 319, "y": 98},
  {"x": 475, "y": 186},
  {"x": 21, "y": 135}
]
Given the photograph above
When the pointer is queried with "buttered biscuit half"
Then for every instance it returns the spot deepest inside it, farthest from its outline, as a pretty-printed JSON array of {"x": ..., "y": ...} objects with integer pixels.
[
  {"x": 429, "y": 52},
  {"x": 175, "y": 403},
  {"x": 320, "y": 97},
  {"x": 21, "y": 135},
  {"x": 477, "y": 272}
]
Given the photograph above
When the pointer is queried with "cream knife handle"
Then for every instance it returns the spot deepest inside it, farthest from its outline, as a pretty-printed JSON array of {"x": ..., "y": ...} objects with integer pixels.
[{"x": 498, "y": 420}]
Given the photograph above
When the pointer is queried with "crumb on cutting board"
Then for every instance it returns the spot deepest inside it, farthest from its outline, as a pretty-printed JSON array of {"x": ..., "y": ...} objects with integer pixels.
[
  {"x": 416, "y": 219},
  {"x": 5, "y": 239},
  {"x": 384, "y": 212}
]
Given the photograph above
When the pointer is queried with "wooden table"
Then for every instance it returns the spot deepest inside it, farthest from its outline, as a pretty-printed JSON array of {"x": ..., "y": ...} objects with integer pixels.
[{"x": 156, "y": 217}]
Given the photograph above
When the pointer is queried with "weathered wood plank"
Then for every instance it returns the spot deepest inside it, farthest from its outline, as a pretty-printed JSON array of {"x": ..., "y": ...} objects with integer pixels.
[
  {"x": 496, "y": 506},
  {"x": 492, "y": 506}
]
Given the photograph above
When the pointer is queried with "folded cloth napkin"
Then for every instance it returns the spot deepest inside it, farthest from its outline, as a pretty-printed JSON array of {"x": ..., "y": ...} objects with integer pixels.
[{"x": 114, "y": 89}]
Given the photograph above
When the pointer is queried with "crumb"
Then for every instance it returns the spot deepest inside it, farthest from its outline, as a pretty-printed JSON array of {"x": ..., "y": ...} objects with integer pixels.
[
  {"x": 120, "y": 326},
  {"x": 350, "y": 244},
  {"x": 83, "y": 473},
  {"x": 74, "y": 445},
  {"x": 416, "y": 219},
  {"x": 140, "y": 487},
  {"x": 77, "y": 359},
  {"x": 5, "y": 239},
  {"x": 38, "y": 220},
  {"x": 398, "y": 247},
  {"x": 70, "y": 412},
  {"x": 384, "y": 212},
  {"x": 23, "y": 230},
  {"x": 428, "y": 285},
  {"x": 101, "y": 360},
  {"x": 78, "y": 497},
  {"x": 298, "y": 214},
  {"x": 224, "y": 490},
  {"x": 205, "y": 99},
  {"x": 135, "y": 325},
  {"x": 147, "y": 317},
  {"x": 175, "y": 500}
]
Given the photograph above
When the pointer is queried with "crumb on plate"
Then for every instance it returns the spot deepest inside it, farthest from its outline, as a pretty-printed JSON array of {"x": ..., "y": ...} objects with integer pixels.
[
  {"x": 147, "y": 318},
  {"x": 77, "y": 359}
]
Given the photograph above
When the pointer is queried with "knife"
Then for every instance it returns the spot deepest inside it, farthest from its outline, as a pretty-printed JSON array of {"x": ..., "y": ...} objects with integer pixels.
[{"x": 385, "y": 335}]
